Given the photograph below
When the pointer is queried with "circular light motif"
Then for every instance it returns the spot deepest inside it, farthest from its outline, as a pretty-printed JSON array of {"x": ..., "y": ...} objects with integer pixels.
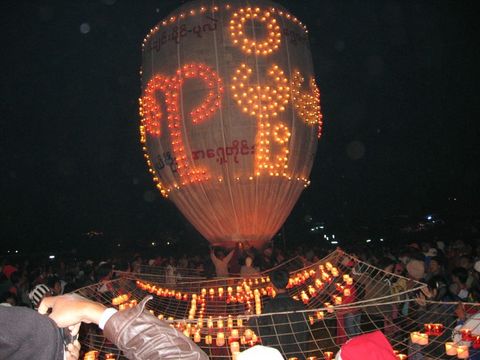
[{"x": 249, "y": 46}]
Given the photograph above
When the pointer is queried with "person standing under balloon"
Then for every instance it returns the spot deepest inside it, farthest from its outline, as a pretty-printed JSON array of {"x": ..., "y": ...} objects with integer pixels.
[{"x": 221, "y": 261}]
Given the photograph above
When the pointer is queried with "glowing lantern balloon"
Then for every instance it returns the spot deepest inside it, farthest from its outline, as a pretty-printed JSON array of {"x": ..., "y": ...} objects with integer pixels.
[{"x": 230, "y": 116}]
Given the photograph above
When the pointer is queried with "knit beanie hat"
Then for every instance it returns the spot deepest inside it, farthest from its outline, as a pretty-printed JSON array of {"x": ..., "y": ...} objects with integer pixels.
[{"x": 372, "y": 346}]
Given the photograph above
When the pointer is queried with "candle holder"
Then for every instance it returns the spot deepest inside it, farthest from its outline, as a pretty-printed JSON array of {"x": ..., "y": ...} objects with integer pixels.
[
  {"x": 434, "y": 329},
  {"x": 328, "y": 355},
  {"x": 450, "y": 348},
  {"x": 466, "y": 334},
  {"x": 475, "y": 342},
  {"x": 462, "y": 352}
]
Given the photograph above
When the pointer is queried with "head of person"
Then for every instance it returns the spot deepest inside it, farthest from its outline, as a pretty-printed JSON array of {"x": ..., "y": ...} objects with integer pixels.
[
  {"x": 279, "y": 279},
  {"x": 104, "y": 271},
  {"x": 38, "y": 293},
  {"x": 53, "y": 282},
  {"x": 248, "y": 261},
  {"x": 374, "y": 346},
  {"x": 416, "y": 269},
  {"x": 435, "y": 266},
  {"x": 260, "y": 352},
  {"x": 459, "y": 276}
]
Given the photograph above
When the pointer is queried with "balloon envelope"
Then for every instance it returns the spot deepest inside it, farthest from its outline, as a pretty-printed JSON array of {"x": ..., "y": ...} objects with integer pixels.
[{"x": 230, "y": 116}]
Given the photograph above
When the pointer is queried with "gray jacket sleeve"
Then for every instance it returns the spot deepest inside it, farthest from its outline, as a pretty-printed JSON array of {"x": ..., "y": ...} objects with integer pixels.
[{"x": 142, "y": 336}]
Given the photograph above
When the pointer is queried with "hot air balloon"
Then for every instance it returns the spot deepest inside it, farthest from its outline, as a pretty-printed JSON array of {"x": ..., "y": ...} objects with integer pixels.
[{"x": 230, "y": 116}]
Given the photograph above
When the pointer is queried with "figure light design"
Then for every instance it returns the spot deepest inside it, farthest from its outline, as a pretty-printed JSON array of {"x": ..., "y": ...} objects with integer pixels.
[{"x": 228, "y": 125}]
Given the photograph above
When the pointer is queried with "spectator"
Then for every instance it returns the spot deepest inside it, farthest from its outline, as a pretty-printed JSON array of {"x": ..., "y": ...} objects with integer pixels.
[
  {"x": 135, "y": 331},
  {"x": 459, "y": 288},
  {"x": 248, "y": 270},
  {"x": 38, "y": 293},
  {"x": 220, "y": 261},
  {"x": 288, "y": 333}
]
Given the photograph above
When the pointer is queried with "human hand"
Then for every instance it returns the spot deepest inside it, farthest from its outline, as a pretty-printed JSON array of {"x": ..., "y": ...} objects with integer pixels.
[
  {"x": 71, "y": 309},
  {"x": 73, "y": 351}
]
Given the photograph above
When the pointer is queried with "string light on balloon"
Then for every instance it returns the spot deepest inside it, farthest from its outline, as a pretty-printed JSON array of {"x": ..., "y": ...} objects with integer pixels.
[
  {"x": 150, "y": 111},
  {"x": 253, "y": 46},
  {"x": 307, "y": 104},
  {"x": 265, "y": 102}
]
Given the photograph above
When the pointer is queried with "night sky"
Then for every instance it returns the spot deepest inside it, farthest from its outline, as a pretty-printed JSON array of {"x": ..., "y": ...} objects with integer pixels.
[{"x": 399, "y": 97}]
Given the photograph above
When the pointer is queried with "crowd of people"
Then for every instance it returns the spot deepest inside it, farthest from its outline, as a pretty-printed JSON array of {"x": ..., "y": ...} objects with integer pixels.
[{"x": 451, "y": 270}]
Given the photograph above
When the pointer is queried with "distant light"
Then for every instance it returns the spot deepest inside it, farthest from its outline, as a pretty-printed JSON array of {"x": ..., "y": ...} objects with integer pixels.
[
  {"x": 381, "y": 239},
  {"x": 333, "y": 236},
  {"x": 16, "y": 251},
  {"x": 321, "y": 226},
  {"x": 51, "y": 257},
  {"x": 429, "y": 217},
  {"x": 85, "y": 28},
  {"x": 168, "y": 242},
  {"x": 334, "y": 242},
  {"x": 153, "y": 243},
  {"x": 369, "y": 240},
  {"x": 8, "y": 251}
]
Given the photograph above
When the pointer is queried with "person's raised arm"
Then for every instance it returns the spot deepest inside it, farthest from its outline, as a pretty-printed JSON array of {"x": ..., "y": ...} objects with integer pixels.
[{"x": 229, "y": 256}]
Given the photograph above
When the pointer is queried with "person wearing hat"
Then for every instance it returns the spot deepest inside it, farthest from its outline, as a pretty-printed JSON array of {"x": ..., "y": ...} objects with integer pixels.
[
  {"x": 260, "y": 352},
  {"x": 372, "y": 346},
  {"x": 38, "y": 293}
]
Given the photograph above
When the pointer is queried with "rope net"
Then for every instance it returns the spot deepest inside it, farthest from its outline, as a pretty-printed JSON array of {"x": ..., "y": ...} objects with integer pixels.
[{"x": 339, "y": 297}]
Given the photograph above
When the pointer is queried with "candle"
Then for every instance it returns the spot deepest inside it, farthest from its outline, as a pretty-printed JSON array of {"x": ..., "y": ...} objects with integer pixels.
[
  {"x": 220, "y": 341},
  {"x": 401, "y": 357},
  {"x": 414, "y": 337},
  {"x": 466, "y": 334},
  {"x": 248, "y": 334},
  {"x": 208, "y": 339},
  {"x": 230, "y": 322},
  {"x": 210, "y": 322},
  {"x": 438, "y": 329},
  {"x": 234, "y": 334},
  {"x": 239, "y": 323},
  {"x": 346, "y": 277},
  {"x": 338, "y": 300},
  {"x": 220, "y": 292},
  {"x": 312, "y": 358},
  {"x": 346, "y": 292},
  {"x": 234, "y": 347},
  {"x": 450, "y": 348},
  {"x": 349, "y": 282},
  {"x": 293, "y": 358},
  {"x": 320, "y": 315},
  {"x": 328, "y": 355},
  {"x": 462, "y": 352},
  {"x": 422, "y": 339},
  {"x": 220, "y": 322},
  {"x": 235, "y": 355},
  {"x": 428, "y": 329},
  {"x": 197, "y": 337},
  {"x": 204, "y": 292}
]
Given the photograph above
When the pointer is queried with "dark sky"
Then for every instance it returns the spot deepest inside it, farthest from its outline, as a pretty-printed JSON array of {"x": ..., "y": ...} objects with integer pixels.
[{"x": 399, "y": 98}]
